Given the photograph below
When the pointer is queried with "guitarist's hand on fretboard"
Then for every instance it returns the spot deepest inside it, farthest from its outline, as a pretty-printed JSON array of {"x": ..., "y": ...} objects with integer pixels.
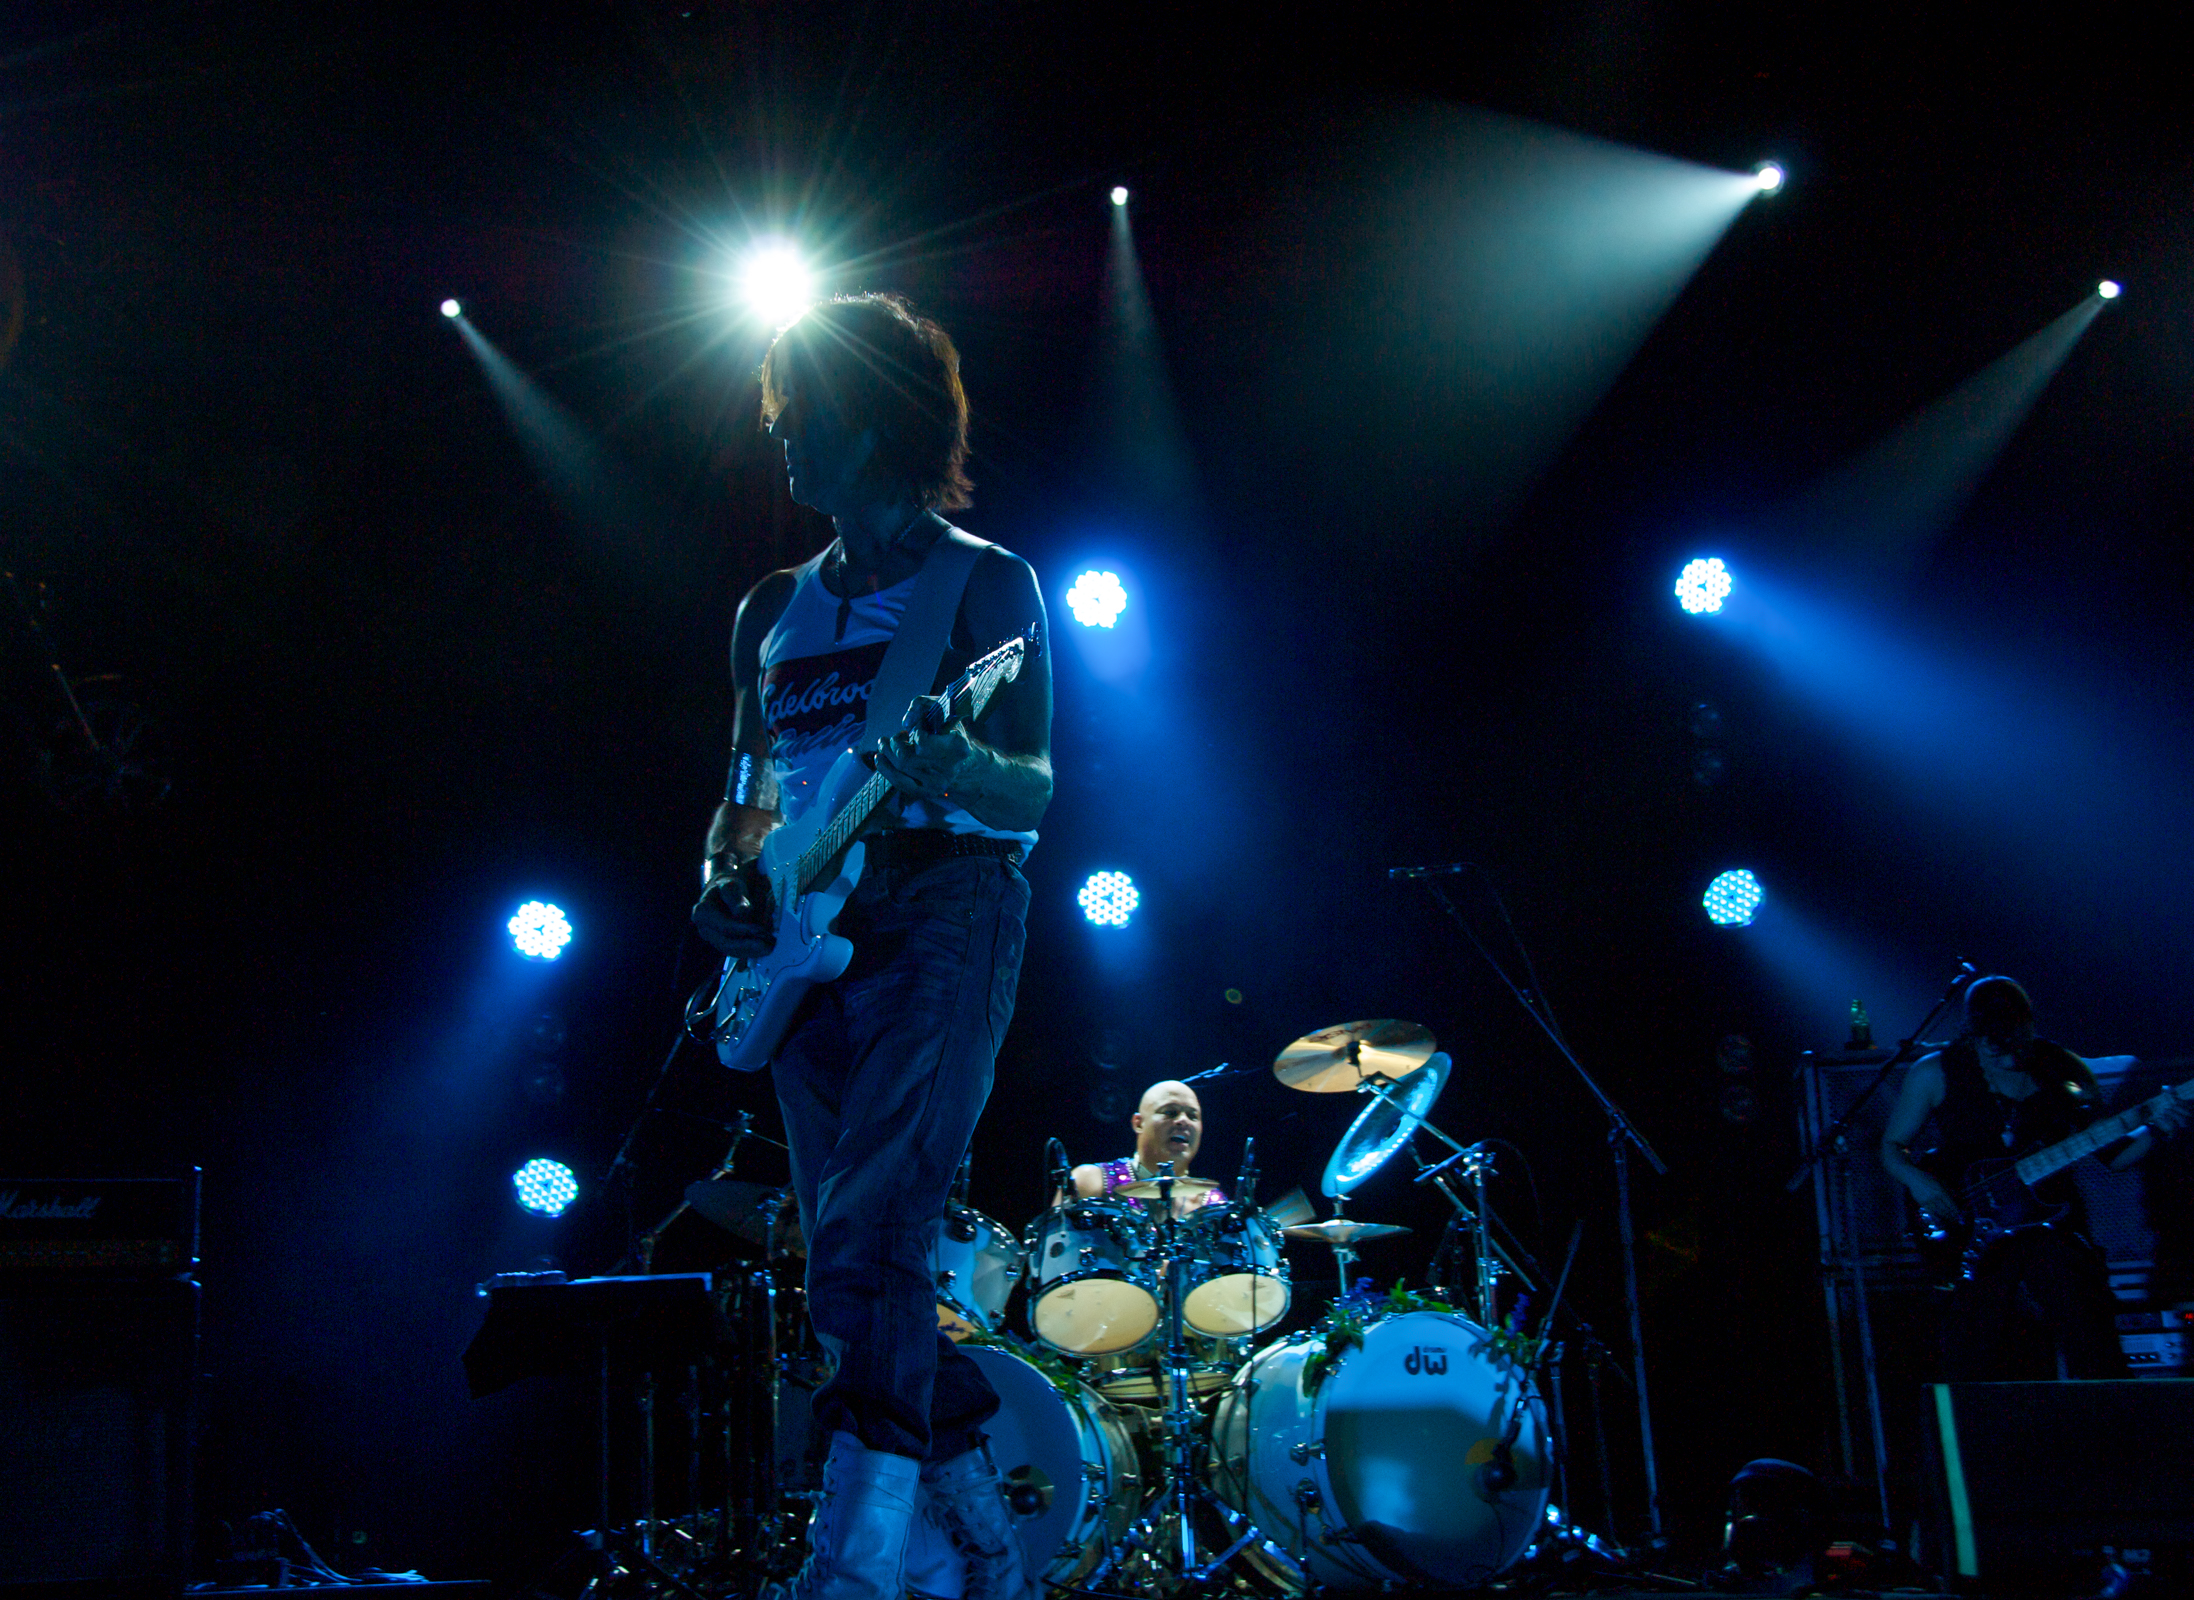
[{"x": 926, "y": 765}]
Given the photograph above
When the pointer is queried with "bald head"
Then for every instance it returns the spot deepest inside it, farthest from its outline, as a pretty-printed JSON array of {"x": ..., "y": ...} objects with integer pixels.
[{"x": 1169, "y": 1125}]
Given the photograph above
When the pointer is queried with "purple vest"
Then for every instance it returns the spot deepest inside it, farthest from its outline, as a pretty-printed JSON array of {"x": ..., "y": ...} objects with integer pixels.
[{"x": 1118, "y": 1174}]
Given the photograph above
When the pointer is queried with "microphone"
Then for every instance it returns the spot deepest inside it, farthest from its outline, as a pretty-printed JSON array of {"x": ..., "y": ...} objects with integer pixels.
[
  {"x": 1062, "y": 1172},
  {"x": 1498, "y": 1473},
  {"x": 1432, "y": 1172},
  {"x": 1222, "y": 1070},
  {"x": 1247, "y": 1181},
  {"x": 1444, "y": 870},
  {"x": 1967, "y": 972}
]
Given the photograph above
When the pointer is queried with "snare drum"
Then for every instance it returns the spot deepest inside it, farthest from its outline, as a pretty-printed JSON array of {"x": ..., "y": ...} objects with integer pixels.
[
  {"x": 1238, "y": 1279},
  {"x": 1073, "y": 1477},
  {"x": 1392, "y": 1471},
  {"x": 976, "y": 1263},
  {"x": 1094, "y": 1286}
]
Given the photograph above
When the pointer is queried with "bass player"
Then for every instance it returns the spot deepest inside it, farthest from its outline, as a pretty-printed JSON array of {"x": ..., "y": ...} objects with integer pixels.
[
  {"x": 2000, "y": 1090},
  {"x": 886, "y": 1069}
]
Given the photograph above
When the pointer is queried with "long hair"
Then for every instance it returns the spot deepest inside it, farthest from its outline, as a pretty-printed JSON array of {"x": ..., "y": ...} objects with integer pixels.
[{"x": 876, "y": 363}]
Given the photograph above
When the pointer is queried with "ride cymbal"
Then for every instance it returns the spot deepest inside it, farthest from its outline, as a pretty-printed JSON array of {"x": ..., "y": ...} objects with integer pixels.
[
  {"x": 1345, "y": 1230},
  {"x": 1336, "y": 1059}
]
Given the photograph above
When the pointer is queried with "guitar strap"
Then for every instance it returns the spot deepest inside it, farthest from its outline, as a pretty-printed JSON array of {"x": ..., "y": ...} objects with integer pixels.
[{"x": 910, "y": 663}]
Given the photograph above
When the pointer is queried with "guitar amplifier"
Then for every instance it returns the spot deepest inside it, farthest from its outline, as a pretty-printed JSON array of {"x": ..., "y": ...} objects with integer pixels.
[
  {"x": 2155, "y": 1341},
  {"x": 98, "y": 1228}
]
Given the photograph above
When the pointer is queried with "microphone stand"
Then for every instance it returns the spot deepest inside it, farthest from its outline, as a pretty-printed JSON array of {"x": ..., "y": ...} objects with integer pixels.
[
  {"x": 1622, "y": 1137},
  {"x": 1834, "y": 1198}
]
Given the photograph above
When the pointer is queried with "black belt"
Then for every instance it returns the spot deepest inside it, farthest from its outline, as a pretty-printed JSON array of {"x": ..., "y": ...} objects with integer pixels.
[{"x": 923, "y": 847}]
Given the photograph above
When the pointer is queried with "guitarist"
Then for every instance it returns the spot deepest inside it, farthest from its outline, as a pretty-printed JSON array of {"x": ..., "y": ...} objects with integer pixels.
[
  {"x": 887, "y": 1068},
  {"x": 1997, "y": 1091}
]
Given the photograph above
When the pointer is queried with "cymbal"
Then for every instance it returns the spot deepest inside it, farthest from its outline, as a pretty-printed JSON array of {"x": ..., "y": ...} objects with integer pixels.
[
  {"x": 743, "y": 1210},
  {"x": 1384, "y": 1127},
  {"x": 1336, "y": 1059},
  {"x": 1341, "y": 1230},
  {"x": 1183, "y": 1189}
]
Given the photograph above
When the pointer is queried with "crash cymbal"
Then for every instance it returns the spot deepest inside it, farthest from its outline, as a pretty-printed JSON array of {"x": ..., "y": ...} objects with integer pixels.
[
  {"x": 1183, "y": 1189},
  {"x": 1384, "y": 1127},
  {"x": 1336, "y": 1059},
  {"x": 744, "y": 1209},
  {"x": 1345, "y": 1230}
]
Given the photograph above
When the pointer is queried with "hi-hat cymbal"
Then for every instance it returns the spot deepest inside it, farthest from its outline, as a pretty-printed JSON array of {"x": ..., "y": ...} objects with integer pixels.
[
  {"x": 1336, "y": 1059},
  {"x": 745, "y": 1209},
  {"x": 1342, "y": 1230},
  {"x": 1183, "y": 1189}
]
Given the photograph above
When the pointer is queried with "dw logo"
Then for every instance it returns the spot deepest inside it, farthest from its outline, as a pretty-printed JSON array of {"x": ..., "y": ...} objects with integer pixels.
[{"x": 1429, "y": 1359}]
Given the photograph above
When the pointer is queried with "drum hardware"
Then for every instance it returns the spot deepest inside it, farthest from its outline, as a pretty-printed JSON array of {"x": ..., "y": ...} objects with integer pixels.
[
  {"x": 1181, "y": 1493},
  {"x": 1622, "y": 1137}
]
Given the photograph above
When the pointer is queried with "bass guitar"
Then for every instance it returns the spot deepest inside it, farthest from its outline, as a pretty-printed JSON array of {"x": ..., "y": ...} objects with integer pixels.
[
  {"x": 1998, "y": 1199},
  {"x": 812, "y": 864}
]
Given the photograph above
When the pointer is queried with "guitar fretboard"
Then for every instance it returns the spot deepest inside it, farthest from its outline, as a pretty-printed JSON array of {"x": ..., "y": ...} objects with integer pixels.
[{"x": 2055, "y": 1158}]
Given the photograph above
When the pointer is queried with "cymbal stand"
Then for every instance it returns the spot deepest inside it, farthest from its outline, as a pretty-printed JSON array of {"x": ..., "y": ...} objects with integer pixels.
[
  {"x": 1182, "y": 1490},
  {"x": 1622, "y": 1138}
]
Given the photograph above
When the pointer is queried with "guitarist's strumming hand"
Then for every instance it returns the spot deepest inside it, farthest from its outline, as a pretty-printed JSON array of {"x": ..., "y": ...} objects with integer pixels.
[{"x": 734, "y": 915}]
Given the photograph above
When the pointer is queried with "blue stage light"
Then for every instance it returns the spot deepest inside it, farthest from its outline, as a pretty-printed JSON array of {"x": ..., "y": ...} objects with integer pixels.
[
  {"x": 1109, "y": 899},
  {"x": 1769, "y": 176},
  {"x": 1703, "y": 585},
  {"x": 1733, "y": 899},
  {"x": 1119, "y": 194},
  {"x": 2109, "y": 289},
  {"x": 451, "y": 308},
  {"x": 540, "y": 931},
  {"x": 1097, "y": 599},
  {"x": 545, "y": 1187}
]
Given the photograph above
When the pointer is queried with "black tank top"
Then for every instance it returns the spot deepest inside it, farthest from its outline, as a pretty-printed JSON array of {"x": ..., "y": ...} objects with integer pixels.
[{"x": 1974, "y": 1123}]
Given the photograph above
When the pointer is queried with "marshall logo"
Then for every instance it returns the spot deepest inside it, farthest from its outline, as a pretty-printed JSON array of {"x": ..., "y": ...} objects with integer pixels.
[
  {"x": 1429, "y": 1359},
  {"x": 13, "y": 1208}
]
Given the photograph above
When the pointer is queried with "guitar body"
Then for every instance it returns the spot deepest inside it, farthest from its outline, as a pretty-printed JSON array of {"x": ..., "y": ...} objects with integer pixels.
[
  {"x": 1998, "y": 1204},
  {"x": 813, "y": 864},
  {"x": 754, "y": 1008}
]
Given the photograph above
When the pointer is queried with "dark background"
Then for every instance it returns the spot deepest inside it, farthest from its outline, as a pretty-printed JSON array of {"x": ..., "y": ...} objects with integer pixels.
[{"x": 399, "y": 682}]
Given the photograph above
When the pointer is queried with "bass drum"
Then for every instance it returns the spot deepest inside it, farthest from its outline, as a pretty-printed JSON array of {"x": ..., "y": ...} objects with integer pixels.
[
  {"x": 1391, "y": 1470},
  {"x": 1072, "y": 1474}
]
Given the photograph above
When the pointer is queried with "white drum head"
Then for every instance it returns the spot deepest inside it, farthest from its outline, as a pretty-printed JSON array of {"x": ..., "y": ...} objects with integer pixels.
[{"x": 1097, "y": 1317}]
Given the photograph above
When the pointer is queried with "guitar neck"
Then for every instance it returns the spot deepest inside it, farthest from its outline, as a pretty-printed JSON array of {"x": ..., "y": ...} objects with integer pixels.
[{"x": 2055, "y": 1158}]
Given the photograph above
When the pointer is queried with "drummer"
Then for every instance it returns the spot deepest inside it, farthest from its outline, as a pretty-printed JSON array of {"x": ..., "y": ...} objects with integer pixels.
[{"x": 1169, "y": 1126}]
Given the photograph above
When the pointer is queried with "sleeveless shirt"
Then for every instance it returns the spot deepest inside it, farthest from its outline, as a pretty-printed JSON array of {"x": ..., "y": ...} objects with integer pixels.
[
  {"x": 814, "y": 693},
  {"x": 1974, "y": 1123}
]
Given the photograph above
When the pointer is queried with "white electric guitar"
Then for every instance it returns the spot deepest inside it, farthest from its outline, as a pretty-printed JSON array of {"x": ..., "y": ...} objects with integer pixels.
[{"x": 812, "y": 865}]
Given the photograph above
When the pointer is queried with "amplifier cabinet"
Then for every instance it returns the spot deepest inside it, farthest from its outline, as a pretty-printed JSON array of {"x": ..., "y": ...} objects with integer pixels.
[{"x": 95, "y": 1434}]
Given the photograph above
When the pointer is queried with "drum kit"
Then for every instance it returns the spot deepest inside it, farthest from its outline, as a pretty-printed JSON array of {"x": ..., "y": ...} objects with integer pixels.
[{"x": 1148, "y": 1444}]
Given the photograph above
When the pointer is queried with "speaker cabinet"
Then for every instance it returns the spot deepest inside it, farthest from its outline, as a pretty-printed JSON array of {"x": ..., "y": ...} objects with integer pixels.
[
  {"x": 2035, "y": 1481},
  {"x": 95, "y": 1436}
]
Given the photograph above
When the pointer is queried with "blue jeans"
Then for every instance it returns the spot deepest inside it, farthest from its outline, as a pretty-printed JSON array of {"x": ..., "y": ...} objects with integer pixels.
[{"x": 881, "y": 1081}]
